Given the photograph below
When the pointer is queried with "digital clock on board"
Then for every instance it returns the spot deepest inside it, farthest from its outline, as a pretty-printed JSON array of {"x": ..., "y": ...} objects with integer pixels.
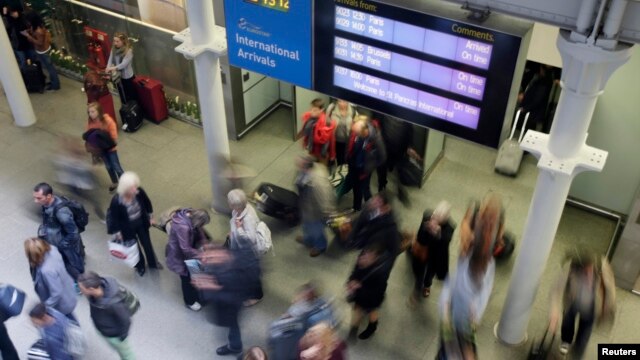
[{"x": 280, "y": 5}]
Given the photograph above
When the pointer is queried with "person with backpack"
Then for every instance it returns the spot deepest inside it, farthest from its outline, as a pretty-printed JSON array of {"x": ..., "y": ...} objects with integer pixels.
[
  {"x": 244, "y": 232},
  {"x": 318, "y": 132},
  {"x": 53, "y": 327},
  {"x": 110, "y": 311},
  {"x": 101, "y": 137},
  {"x": 52, "y": 283},
  {"x": 40, "y": 37},
  {"x": 317, "y": 202},
  {"x": 186, "y": 238},
  {"x": 62, "y": 222}
]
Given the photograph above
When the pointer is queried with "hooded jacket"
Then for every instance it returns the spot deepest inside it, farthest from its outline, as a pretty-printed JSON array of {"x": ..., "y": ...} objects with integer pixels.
[
  {"x": 184, "y": 240},
  {"x": 109, "y": 313},
  {"x": 53, "y": 284}
]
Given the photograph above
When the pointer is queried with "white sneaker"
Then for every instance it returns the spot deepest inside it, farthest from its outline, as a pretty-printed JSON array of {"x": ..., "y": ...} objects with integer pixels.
[
  {"x": 564, "y": 348},
  {"x": 195, "y": 306},
  {"x": 125, "y": 127}
]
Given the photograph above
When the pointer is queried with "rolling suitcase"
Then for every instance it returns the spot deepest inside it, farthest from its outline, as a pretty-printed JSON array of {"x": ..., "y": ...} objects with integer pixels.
[
  {"x": 278, "y": 202},
  {"x": 151, "y": 97},
  {"x": 131, "y": 115},
  {"x": 510, "y": 155},
  {"x": 33, "y": 77}
]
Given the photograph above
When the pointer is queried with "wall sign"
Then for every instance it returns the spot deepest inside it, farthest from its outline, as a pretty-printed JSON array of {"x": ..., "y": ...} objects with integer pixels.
[
  {"x": 439, "y": 73},
  {"x": 271, "y": 37}
]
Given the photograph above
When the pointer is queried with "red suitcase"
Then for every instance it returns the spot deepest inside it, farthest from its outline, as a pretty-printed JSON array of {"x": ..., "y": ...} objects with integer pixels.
[{"x": 151, "y": 98}]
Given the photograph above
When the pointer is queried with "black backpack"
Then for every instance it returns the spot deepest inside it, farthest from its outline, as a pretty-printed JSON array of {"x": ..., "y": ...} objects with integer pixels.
[{"x": 80, "y": 215}]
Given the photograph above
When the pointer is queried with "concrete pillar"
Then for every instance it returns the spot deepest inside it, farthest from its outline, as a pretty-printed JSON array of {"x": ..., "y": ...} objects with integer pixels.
[
  {"x": 210, "y": 95},
  {"x": 562, "y": 155},
  {"x": 13, "y": 85}
]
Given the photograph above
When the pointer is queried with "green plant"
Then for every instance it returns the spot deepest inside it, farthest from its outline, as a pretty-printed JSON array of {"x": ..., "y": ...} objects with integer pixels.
[
  {"x": 176, "y": 104},
  {"x": 189, "y": 109},
  {"x": 196, "y": 111},
  {"x": 183, "y": 108}
]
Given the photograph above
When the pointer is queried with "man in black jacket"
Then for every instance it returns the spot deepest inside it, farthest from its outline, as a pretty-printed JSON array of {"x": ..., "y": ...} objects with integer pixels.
[
  {"x": 109, "y": 313},
  {"x": 229, "y": 278},
  {"x": 377, "y": 224}
]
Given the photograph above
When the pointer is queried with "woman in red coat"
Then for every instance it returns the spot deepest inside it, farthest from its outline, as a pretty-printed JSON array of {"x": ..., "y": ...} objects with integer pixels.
[{"x": 319, "y": 133}]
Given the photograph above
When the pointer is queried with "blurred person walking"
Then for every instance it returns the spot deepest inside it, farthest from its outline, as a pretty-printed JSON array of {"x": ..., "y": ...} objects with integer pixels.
[
  {"x": 227, "y": 281},
  {"x": 11, "y": 304},
  {"x": 109, "y": 311},
  {"x": 585, "y": 289},
  {"x": 317, "y": 202},
  {"x": 366, "y": 288},
  {"x": 99, "y": 145},
  {"x": 186, "y": 238},
  {"x": 52, "y": 326},
  {"x": 430, "y": 249},
  {"x": 59, "y": 228},
  {"x": 52, "y": 283},
  {"x": 120, "y": 64},
  {"x": 466, "y": 293},
  {"x": 243, "y": 234},
  {"x": 365, "y": 152},
  {"x": 377, "y": 225},
  {"x": 321, "y": 343},
  {"x": 129, "y": 217},
  {"x": 76, "y": 173}
]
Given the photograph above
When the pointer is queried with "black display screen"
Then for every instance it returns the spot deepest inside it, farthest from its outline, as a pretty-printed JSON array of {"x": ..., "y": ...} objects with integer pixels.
[{"x": 438, "y": 73}]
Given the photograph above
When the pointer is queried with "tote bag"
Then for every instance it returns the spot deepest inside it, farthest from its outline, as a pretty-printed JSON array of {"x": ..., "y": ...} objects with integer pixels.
[{"x": 125, "y": 251}]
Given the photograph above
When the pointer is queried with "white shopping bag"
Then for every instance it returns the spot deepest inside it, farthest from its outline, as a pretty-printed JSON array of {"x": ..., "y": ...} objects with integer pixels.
[{"x": 125, "y": 251}]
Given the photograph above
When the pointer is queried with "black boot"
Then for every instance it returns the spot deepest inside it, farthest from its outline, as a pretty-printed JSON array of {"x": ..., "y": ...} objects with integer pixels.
[
  {"x": 353, "y": 334},
  {"x": 371, "y": 328}
]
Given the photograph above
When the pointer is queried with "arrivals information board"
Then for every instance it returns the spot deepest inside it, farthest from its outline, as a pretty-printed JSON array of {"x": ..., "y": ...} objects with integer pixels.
[
  {"x": 435, "y": 72},
  {"x": 271, "y": 37}
]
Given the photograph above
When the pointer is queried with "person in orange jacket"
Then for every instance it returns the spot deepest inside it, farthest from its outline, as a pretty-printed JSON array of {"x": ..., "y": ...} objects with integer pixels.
[{"x": 101, "y": 121}]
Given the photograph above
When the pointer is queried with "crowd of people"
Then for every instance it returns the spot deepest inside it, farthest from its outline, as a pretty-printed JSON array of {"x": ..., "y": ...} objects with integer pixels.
[{"x": 226, "y": 275}]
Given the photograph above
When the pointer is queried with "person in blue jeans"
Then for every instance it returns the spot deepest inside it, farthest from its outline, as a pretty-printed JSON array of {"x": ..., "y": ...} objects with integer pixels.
[
  {"x": 39, "y": 36},
  {"x": 17, "y": 27},
  {"x": 317, "y": 200}
]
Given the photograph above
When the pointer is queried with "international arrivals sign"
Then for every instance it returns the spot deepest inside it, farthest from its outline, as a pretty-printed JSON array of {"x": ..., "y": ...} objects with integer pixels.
[{"x": 271, "y": 37}]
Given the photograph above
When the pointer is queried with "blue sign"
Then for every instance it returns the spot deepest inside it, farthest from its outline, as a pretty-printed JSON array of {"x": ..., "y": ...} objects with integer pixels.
[{"x": 271, "y": 37}]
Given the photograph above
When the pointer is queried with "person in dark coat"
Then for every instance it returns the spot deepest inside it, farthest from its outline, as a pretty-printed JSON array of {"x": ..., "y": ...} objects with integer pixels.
[
  {"x": 53, "y": 285},
  {"x": 535, "y": 97},
  {"x": 229, "y": 278},
  {"x": 397, "y": 136},
  {"x": 186, "y": 238},
  {"x": 366, "y": 287},
  {"x": 377, "y": 224},
  {"x": 7, "y": 350},
  {"x": 53, "y": 326},
  {"x": 110, "y": 314},
  {"x": 365, "y": 152},
  {"x": 129, "y": 217},
  {"x": 430, "y": 252}
]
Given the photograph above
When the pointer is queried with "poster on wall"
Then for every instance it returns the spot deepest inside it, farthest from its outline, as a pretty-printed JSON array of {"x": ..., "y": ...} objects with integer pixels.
[
  {"x": 271, "y": 37},
  {"x": 435, "y": 72}
]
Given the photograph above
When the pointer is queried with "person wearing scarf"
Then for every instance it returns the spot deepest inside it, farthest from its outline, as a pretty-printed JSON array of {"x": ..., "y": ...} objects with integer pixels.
[{"x": 319, "y": 133}]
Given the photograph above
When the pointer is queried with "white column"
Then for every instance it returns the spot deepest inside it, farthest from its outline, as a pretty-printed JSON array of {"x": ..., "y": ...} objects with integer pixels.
[
  {"x": 562, "y": 155},
  {"x": 210, "y": 96},
  {"x": 13, "y": 85}
]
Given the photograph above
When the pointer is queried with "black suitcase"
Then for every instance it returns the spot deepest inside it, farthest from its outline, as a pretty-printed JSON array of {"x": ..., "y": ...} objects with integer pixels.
[
  {"x": 280, "y": 203},
  {"x": 33, "y": 77},
  {"x": 131, "y": 115}
]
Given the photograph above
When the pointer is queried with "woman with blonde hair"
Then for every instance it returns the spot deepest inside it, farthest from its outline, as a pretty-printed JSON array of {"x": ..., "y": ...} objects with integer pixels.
[
  {"x": 321, "y": 343},
  {"x": 129, "y": 217},
  {"x": 52, "y": 283},
  {"x": 121, "y": 63},
  {"x": 100, "y": 126}
]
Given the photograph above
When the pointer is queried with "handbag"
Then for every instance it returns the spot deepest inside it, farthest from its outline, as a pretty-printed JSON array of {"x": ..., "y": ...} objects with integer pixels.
[
  {"x": 125, "y": 251},
  {"x": 11, "y": 300}
]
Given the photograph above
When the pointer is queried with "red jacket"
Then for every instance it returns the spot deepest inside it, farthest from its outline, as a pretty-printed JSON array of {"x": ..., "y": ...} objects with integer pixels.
[{"x": 323, "y": 135}]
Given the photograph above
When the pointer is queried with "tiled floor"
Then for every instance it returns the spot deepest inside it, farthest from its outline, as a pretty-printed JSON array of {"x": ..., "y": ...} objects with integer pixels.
[{"x": 171, "y": 162}]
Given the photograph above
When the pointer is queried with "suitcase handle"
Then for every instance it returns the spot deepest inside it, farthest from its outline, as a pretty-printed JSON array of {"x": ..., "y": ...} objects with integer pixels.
[
  {"x": 524, "y": 126},
  {"x": 515, "y": 125}
]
